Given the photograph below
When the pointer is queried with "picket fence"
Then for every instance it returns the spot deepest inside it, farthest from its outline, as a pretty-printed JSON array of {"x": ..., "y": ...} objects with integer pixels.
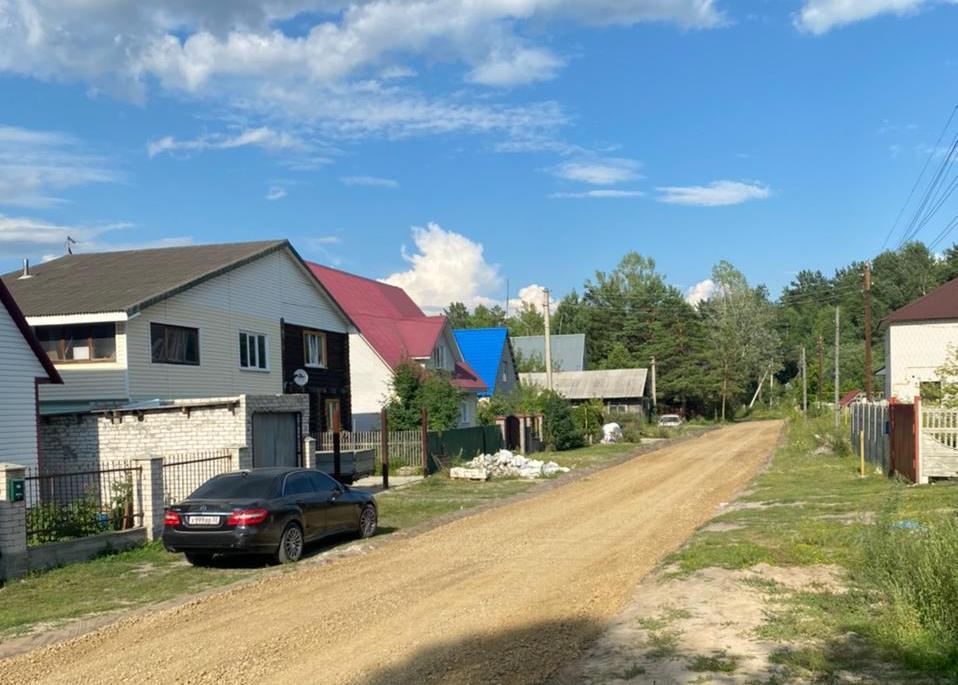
[{"x": 405, "y": 447}]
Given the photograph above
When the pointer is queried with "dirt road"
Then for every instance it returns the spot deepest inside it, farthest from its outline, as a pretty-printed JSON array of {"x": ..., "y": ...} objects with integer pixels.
[{"x": 506, "y": 596}]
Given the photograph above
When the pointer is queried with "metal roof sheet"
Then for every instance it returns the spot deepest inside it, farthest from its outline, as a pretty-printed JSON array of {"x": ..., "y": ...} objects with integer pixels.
[
  {"x": 604, "y": 384},
  {"x": 568, "y": 351}
]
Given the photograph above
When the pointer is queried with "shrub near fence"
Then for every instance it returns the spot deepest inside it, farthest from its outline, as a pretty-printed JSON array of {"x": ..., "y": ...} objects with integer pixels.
[{"x": 74, "y": 504}]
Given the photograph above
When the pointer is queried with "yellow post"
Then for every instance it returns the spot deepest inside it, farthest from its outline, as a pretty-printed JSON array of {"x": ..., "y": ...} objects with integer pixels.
[{"x": 861, "y": 451}]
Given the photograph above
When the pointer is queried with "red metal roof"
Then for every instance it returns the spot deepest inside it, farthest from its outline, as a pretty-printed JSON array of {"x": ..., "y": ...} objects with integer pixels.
[
  {"x": 849, "y": 397},
  {"x": 941, "y": 303},
  {"x": 390, "y": 321}
]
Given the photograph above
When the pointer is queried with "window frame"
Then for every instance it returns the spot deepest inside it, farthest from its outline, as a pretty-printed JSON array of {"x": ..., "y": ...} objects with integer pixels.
[
  {"x": 61, "y": 343},
  {"x": 256, "y": 348},
  {"x": 300, "y": 475},
  {"x": 324, "y": 363},
  {"x": 463, "y": 412},
  {"x": 167, "y": 326}
]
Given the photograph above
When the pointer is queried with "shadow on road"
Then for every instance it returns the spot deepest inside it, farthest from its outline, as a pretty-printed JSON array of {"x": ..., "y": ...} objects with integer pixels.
[{"x": 533, "y": 653}]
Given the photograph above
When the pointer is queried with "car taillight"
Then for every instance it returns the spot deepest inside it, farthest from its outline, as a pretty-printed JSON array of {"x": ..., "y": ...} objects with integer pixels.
[
  {"x": 171, "y": 518},
  {"x": 247, "y": 517}
]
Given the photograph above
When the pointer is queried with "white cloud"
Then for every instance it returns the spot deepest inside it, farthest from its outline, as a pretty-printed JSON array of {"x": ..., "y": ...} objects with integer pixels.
[
  {"x": 35, "y": 165},
  {"x": 31, "y": 237},
  {"x": 533, "y": 295},
  {"x": 602, "y": 193},
  {"x": 600, "y": 172},
  {"x": 263, "y": 137},
  {"x": 276, "y": 193},
  {"x": 703, "y": 290},
  {"x": 446, "y": 267},
  {"x": 370, "y": 181},
  {"x": 525, "y": 65},
  {"x": 236, "y": 54},
  {"x": 715, "y": 194},
  {"x": 821, "y": 16},
  {"x": 322, "y": 248}
]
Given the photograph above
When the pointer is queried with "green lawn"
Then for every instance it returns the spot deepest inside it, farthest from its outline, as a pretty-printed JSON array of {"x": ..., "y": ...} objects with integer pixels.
[
  {"x": 149, "y": 574},
  {"x": 813, "y": 508}
]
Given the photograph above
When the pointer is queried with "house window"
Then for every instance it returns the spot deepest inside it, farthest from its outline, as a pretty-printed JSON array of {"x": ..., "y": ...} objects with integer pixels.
[
  {"x": 254, "y": 351},
  {"x": 79, "y": 342},
  {"x": 314, "y": 349},
  {"x": 439, "y": 357},
  {"x": 464, "y": 413},
  {"x": 930, "y": 392},
  {"x": 333, "y": 409},
  {"x": 174, "y": 344}
]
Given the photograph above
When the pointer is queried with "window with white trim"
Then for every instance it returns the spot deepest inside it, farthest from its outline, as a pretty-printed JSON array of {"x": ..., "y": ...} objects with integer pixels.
[
  {"x": 314, "y": 349},
  {"x": 464, "y": 412},
  {"x": 439, "y": 357},
  {"x": 254, "y": 351}
]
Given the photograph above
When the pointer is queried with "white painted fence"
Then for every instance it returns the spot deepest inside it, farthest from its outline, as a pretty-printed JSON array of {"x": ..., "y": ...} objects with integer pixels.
[
  {"x": 939, "y": 444},
  {"x": 405, "y": 447}
]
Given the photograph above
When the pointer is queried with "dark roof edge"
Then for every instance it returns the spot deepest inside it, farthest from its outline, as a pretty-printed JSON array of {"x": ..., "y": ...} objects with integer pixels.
[{"x": 18, "y": 318}]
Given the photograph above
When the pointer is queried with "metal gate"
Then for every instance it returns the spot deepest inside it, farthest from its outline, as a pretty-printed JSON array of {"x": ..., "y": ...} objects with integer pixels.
[
  {"x": 276, "y": 439},
  {"x": 902, "y": 419}
]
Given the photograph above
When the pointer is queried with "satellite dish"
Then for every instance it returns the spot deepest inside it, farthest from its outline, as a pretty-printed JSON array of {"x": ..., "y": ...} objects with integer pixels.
[{"x": 300, "y": 378}]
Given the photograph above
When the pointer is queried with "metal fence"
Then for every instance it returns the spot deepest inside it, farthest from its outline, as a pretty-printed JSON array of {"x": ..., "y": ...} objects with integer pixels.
[
  {"x": 62, "y": 505},
  {"x": 183, "y": 473},
  {"x": 405, "y": 447},
  {"x": 873, "y": 419}
]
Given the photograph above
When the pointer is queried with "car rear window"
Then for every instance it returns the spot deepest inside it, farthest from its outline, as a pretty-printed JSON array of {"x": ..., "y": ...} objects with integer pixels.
[{"x": 236, "y": 486}]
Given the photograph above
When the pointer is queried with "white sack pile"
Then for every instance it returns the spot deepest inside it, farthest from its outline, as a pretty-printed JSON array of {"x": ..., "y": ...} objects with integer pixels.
[
  {"x": 506, "y": 464},
  {"x": 611, "y": 432}
]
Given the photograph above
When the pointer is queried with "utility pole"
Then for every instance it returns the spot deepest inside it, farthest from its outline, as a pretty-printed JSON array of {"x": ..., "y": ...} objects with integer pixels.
[
  {"x": 548, "y": 341},
  {"x": 821, "y": 371},
  {"x": 837, "y": 358},
  {"x": 804, "y": 383},
  {"x": 654, "y": 403},
  {"x": 868, "y": 332}
]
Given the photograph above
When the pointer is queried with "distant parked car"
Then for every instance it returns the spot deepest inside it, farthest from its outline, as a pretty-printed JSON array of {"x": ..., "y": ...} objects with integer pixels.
[
  {"x": 274, "y": 511},
  {"x": 670, "y": 420}
]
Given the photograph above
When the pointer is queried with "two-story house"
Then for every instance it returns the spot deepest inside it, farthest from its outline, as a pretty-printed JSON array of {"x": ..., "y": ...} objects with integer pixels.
[
  {"x": 391, "y": 328},
  {"x": 187, "y": 322}
]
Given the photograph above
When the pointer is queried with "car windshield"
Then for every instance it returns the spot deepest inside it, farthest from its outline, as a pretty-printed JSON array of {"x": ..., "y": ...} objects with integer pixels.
[{"x": 236, "y": 486}]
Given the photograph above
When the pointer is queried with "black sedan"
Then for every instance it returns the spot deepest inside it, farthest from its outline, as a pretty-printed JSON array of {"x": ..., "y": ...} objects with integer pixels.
[{"x": 273, "y": 511}]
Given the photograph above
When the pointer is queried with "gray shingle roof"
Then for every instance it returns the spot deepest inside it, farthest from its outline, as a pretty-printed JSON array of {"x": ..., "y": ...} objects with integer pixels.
[
  {"x": 568, "y": 351},
  {"x": 126, "y": 281},
  {"x": 606, "y": 384}
]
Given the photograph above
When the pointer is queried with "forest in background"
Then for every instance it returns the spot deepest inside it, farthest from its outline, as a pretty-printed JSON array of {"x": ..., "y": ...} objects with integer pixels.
[{"x": 710, "y": 356}]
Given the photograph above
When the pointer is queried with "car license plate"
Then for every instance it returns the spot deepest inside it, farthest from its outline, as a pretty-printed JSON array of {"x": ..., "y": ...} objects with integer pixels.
[{"x": 203, "y": 520}]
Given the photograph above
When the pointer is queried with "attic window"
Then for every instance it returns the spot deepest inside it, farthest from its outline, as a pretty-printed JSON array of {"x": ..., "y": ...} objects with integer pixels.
[{"x": 78, "y": 343}]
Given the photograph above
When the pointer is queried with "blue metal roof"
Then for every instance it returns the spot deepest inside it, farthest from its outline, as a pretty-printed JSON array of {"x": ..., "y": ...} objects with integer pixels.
[{"x": 482, "y": 349}]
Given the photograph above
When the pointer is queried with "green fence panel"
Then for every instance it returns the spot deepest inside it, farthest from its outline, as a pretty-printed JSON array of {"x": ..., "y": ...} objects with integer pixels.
[{"x": 464, "y": 443}]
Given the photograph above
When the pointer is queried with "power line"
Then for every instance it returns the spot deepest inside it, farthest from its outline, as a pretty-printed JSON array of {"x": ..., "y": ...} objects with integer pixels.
[{"x": 911, "y": 230}]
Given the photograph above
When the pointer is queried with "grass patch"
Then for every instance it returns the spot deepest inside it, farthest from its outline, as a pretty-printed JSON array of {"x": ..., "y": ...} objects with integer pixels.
[
  {"x": 717, "y": 663},
  {"x": 594, "y": 455},
  {"x": 663, "y": 644}
]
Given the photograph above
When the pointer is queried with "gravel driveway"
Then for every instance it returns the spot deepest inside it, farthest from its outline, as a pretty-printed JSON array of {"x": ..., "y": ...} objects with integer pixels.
[{"x": 509, "y": 595}]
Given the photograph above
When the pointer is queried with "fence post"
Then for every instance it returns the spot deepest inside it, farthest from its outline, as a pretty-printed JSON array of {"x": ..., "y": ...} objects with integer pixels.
[
  {"x": 384, "y": 446},
  {"x": 424, "y": 439},
  {"x": 13, "y": 525},
  {"x": 309, "y": 452},
  {"x": 337, "y": 446},
  {"x": 919, "y": 477},
  {"x": 151, "y": 495}
]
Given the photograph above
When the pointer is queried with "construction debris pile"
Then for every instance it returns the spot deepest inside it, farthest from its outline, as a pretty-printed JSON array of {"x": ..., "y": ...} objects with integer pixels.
[{"x": 505, "y": 464}]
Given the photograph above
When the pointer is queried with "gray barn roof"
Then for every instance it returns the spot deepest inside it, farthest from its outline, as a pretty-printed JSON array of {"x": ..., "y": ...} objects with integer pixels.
[
  {"x": 568, "y": 351},
  {"x": 126, "y": 281},
  {"x": 605, "y": 384}
]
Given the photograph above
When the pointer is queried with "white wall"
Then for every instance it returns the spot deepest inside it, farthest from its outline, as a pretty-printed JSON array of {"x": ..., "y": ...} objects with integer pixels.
[
  {"x": 19, "y": 368},
  {"x": 252, "y": 298},
  {"x": 369, "y": 381},
  {"x": 913, "y": 353}
]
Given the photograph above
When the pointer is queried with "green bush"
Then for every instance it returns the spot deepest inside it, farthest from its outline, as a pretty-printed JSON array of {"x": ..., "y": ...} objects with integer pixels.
[
  {"x": 559, "y": 430},
  {"x": 588, "y": 418}
]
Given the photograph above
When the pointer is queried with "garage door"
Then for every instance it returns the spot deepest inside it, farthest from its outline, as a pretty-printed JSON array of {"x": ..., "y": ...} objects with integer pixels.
[{"x": 275, "y": 439}]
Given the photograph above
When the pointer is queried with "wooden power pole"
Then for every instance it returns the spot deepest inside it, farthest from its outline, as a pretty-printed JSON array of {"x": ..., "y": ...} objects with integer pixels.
[
  {"x": 654, "y": 394},
  {"x": 821, "y": 371},
  {"x": 837, "y": 356},
  {"x": 548, "y": 341},
  {"x": 804, "y": 383},
  {"x": 868, "y": 332}
]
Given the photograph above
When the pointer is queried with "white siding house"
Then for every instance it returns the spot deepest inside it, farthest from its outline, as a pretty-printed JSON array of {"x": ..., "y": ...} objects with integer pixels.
[
  {"x": 919, "y": 338},
  {"x": 22, "y": 367}
]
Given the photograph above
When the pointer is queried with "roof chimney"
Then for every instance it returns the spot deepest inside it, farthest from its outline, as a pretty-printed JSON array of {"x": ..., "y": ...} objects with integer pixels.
[{"x": 26, "y": 270}]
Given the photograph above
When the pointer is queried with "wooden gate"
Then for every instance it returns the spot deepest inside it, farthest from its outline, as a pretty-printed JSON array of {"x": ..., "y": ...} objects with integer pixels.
[{"x": 902, "y": 419}]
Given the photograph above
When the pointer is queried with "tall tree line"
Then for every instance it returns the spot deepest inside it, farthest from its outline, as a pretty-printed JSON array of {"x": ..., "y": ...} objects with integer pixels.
[{"x": 711, "y": 356}]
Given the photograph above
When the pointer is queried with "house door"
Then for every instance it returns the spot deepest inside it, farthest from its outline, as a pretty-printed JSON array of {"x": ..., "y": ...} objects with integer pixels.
[
  {"x": 333, "y": 407},
  {"x": 275, "y": 439}
]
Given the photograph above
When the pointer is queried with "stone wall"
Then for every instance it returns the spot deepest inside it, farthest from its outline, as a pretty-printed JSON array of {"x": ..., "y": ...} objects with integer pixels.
[{"x": 85, "y": 441}]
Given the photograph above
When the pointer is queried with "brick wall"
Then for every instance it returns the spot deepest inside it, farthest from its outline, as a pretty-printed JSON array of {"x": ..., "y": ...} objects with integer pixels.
[{"x": 84, "y": 441}]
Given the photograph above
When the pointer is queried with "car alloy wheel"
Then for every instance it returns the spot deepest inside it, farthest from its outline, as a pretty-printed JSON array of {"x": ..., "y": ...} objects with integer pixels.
[
  {"x": 291, "y": 545},
  {"x": 367, "y": 521}
]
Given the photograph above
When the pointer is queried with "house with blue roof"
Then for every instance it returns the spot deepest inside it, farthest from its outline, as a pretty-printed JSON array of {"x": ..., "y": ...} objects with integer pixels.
[{"x": 489, "y": 352}]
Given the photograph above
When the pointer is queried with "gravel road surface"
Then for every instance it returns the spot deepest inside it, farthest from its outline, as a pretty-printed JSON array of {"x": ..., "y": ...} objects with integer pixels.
[{"x": 509, "y": 595}]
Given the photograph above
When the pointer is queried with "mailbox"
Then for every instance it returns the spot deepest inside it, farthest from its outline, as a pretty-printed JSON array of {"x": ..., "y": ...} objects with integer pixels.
[{"x": 15, "y": 490}]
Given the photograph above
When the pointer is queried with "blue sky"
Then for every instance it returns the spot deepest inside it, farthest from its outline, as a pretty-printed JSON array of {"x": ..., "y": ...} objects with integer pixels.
[{"x": 452, "y": 145}]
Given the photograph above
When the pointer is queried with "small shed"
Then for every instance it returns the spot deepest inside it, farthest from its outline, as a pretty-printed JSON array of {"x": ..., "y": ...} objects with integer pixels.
[{"x": 620, "y": 390}]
